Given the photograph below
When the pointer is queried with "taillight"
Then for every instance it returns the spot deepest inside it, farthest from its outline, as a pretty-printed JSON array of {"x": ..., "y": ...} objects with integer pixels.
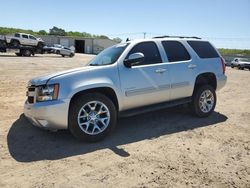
[{"x": 223, "y": 65}]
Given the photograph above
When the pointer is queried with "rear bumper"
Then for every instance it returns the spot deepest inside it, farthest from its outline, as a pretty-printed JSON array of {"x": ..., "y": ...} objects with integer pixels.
[
  {"x": 51, "y": 115},
  {"x": 221, "y": 81}
]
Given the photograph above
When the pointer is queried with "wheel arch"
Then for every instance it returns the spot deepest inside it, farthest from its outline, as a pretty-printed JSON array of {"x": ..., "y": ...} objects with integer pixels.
[
  {"x": 12, "y": 40},
  {"x": 107, "y": 91},
  {"x": 207, "y": 78}
]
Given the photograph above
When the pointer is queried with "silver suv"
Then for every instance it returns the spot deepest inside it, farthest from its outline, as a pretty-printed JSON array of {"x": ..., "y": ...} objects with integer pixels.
[{"x": 124, "y": 80}]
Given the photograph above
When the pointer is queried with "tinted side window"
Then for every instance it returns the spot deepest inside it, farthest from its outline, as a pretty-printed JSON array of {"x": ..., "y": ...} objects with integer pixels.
[
  {"x": 17, "y": 35},
  {"x": 203, "y": 49},
  {"x": 175, "y": 51},
  {"x": 31, "y": 37},
  {"x": 25, "y": 36},
  {"x": 150, "y": 51}
]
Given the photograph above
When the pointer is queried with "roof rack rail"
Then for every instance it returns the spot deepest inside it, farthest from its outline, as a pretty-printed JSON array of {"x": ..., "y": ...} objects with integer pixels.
[{"x": 182, "y": 37}]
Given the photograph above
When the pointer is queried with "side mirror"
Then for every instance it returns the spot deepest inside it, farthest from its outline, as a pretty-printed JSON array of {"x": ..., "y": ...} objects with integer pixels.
[{"x": 134, "y": 59}]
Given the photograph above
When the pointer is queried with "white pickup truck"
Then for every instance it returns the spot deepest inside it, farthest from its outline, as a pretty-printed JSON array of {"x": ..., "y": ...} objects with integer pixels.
[{"x": 24, "y": 39}]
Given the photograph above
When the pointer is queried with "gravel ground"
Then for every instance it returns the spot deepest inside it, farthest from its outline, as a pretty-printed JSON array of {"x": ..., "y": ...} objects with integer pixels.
[{"x": 167, "y": 148}]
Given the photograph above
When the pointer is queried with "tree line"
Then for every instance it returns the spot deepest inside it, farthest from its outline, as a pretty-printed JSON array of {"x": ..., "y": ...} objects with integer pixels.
[{"x": 54, "y": 31}]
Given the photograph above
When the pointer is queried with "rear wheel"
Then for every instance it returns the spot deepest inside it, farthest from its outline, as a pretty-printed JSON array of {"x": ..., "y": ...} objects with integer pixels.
[
  {"x": 204, "y": 101},
  {"x": 63, "y": 55},
  {"x": 26, "y": 53},
  {"x": 92, "y": 117}
]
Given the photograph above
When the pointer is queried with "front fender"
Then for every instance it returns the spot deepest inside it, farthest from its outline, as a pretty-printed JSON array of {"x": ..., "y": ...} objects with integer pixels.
[{"x": 95, "y": 84}]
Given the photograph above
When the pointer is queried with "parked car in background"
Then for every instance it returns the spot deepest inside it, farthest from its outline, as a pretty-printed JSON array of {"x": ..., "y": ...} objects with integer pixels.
[
  {"x": 240, "y": 63},
  {"x": 24, "y": 39},
  {"x": 60, "y": 50},
  {"x": 127, "y": 79}
]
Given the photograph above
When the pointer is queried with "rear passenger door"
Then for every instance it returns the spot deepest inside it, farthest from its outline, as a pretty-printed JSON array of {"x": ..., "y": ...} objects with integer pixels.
[
  {"x": 181, "y": 68},
  {"x": 148, "y": 82}
]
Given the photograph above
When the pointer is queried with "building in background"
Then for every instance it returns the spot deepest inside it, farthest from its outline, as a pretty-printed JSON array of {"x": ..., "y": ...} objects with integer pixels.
[{"x": 82, "y": 45}]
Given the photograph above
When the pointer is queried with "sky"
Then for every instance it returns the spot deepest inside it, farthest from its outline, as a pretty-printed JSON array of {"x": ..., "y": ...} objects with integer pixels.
[{"x": 226, "y": 23}]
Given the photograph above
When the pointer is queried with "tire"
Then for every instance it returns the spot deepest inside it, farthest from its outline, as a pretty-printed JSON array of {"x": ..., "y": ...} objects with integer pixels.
[
  {"x": 203, "y": 110},
  {"x": 232, "y": 66},
  {"x": 26, "y": 53},
  {"x": 15, "y": 43},
  {"x": 80, "y": 113},
  {"x": 63, "y": 55},
  {"x": 57, "y": 52},
  {"x": 71, "y": 55}
]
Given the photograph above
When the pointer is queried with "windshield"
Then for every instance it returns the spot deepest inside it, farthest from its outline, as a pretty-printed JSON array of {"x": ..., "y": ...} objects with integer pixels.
[
  {"x": 58, "y": 46},
  {"x": 109, "y": 56}
]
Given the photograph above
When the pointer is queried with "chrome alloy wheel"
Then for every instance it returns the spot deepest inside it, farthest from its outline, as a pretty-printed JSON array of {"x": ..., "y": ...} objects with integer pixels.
[
  {"x": 93, "y": 117},
  {"x": 206, "y": 101}
]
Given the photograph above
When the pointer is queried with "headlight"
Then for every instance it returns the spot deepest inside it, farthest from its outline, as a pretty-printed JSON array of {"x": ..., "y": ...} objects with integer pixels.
[{"x": 47, "y": 92}]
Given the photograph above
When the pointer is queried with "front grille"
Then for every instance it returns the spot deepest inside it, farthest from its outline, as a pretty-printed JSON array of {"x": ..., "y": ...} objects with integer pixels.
[
  {"x": 31, "y": 94},
  {"x": 30, "y": 89},
  {"x": 31, "y": 100}
]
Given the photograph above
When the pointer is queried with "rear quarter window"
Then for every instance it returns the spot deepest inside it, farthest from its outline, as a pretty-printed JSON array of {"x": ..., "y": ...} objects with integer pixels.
[
  {"x": 203, "y": 49},
  {"x": 175, "y": 51}
]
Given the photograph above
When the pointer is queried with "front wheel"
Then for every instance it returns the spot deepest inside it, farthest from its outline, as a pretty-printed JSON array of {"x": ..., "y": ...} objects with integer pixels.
[
  {"x": 204, "y": 101},
  {"x": 92, "y": 117}
]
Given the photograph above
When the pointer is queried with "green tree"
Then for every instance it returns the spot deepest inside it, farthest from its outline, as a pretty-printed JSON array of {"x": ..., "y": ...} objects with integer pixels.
[
  {"x": 117, "y": 39},
  {"x": 57, "y": 31},
  {"x": 42, "y": 32}
]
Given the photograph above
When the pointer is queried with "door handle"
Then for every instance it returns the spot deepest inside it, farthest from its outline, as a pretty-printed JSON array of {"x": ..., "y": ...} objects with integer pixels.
[
  {"x": 160, "y": 71},
  {"x": 192, "y": 66}
]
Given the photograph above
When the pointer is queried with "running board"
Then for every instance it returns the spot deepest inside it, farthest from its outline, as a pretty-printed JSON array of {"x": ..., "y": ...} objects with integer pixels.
[{"x": 154, "y": 107}]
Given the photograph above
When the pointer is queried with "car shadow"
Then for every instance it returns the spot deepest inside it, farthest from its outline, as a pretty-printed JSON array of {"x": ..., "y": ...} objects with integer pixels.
[{"x": 27, "y": 143}]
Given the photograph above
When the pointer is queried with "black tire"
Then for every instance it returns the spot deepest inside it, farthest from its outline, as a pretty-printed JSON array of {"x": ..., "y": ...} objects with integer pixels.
[
  {"x": 26, "y": 53},
  {"x": 76, "y": 106},
  {"x": 63, "y": 55},
  {"x": 57, "y": 52},
  {"x": 71, "y": 55},
  {"x": 195, "y": 104},
  {"x": 15, "y": 43},
  {"x": 232, "y": 66}
]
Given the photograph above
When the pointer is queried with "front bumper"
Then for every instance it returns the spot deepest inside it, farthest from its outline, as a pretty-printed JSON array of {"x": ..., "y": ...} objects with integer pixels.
[
  {"x": 51, "y": 115},
  {"x": 221, "y": 81}
]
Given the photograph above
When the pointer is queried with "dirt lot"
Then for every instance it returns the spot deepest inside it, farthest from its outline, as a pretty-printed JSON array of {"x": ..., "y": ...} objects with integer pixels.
[{"x": 168, "y": 148}]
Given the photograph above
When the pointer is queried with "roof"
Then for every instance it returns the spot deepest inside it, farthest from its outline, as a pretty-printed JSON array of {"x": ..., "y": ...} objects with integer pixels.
[{"x": 166, "y": 38}]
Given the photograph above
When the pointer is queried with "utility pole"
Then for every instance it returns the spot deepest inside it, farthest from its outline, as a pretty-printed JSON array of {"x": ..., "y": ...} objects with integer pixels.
[{"x": 144, "y": 34}]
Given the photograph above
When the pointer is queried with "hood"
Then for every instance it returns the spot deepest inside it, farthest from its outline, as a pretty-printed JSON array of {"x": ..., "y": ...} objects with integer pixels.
[
  {"x": 42, "y": 80},
  {"x": 39, "y": 39}
]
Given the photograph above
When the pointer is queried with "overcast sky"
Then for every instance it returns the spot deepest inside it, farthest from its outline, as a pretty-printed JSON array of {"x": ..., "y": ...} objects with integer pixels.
[{"x": 224, "y": 22}]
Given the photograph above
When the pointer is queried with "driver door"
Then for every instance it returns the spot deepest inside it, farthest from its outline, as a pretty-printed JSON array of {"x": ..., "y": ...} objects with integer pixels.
[{"x": 148, "y": 82}]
